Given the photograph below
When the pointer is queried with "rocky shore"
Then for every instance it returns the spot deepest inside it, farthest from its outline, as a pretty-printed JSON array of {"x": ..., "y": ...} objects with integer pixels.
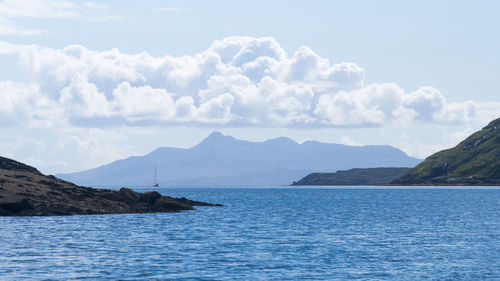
[{"x": 24, "y": 191}]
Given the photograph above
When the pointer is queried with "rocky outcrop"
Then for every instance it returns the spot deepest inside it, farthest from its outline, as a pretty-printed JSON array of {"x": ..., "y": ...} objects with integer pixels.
[{"x": 24, "y": 191}]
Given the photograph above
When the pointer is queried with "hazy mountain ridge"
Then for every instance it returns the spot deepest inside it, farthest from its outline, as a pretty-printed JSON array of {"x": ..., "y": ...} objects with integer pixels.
[
  {"x": 225, "y": 161},
  {"x": 474, "y": 161}
]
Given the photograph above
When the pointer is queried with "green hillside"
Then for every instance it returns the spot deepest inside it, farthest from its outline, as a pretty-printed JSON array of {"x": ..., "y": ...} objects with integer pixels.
[
  {"x": 474, "y": 161},
  {"x": 358, "y": 176}
]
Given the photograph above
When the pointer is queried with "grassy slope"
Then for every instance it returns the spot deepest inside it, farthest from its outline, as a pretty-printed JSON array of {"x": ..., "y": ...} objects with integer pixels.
[
  {"x": 366, "y": 176},
  {"x": 474, "y": 161}
]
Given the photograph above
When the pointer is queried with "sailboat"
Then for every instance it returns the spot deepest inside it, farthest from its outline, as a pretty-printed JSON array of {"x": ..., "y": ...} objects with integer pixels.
[{"x": 156, "y": 184}]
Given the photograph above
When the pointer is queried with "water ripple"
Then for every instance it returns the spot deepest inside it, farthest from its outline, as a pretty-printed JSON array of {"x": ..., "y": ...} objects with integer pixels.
[{"x": 262, "y": 234}]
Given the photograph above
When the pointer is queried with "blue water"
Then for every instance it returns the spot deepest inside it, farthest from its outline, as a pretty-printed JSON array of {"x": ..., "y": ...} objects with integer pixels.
[{"x": 269, "y": 233}]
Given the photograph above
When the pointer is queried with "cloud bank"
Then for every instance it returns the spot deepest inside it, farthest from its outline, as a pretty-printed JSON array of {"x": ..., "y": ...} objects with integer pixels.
[{"x": 237, "y": 81}]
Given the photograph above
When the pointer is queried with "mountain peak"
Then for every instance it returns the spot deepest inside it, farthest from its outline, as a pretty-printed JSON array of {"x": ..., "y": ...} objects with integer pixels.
[
  {"x": 215, "y": 134},
  {"x": 218, "y": 136},
  {"x": 282, "y": 141},
  {"x": 215, "y": 138}
]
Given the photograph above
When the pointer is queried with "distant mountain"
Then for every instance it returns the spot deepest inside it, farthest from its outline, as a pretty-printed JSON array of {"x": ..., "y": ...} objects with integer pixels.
[
  {"x": 225, "y": 161},
  {"x": 474, "y": 161},
  {"x": 366, "y": 176}
]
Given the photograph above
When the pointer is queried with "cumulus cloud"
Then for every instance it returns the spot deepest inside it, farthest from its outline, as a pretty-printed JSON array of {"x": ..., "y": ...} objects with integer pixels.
[
  {"x": 237, "y": 81},
  {"x": 16, "y": 102},
  {"x": 378, "y": 104}
]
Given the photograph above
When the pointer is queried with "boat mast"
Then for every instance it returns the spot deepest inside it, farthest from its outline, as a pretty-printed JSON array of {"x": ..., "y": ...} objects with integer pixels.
[{"x": 155, "y": 183}]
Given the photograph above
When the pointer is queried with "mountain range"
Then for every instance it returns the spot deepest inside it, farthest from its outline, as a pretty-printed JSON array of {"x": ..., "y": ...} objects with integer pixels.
[{"x": 221, "y": 160}]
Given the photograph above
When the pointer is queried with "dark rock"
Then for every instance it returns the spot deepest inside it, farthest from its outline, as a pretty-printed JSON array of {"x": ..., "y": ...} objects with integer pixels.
[
  {"x": 170, "y": 203},
  {"x": 13, "y": 208},
  {"x": 12, "y": 165},
  {"x": 26, "y": 192},
  {"x": 196, "y": 203},
  {"x": 128, "y": 195},
  {"x": 150, "y": 197}
]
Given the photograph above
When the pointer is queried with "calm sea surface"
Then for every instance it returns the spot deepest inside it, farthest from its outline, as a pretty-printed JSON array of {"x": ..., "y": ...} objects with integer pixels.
[{"x": 269, "y": 233}]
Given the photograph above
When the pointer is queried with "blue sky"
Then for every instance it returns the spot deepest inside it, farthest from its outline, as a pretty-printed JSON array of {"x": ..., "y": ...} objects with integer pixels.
[{"x": 418, "y": 75}]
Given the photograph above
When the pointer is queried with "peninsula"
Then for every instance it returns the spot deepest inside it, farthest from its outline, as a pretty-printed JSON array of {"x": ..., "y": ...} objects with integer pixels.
[
  {"x": 474, "y": 161},
  {"x": 356, "y": 176},
  {"x": 24, "y": 191}
]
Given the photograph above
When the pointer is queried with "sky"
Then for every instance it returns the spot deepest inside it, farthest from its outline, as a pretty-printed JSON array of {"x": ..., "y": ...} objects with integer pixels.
[{"x": 85, "y": 83}]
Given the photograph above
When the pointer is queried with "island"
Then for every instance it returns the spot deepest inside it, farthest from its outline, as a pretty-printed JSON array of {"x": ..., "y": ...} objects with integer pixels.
[
  {"x": 24, "y": 191},
  {"x": 475, "y": 161},
  {"x": 357, "y": 176},
  {"x": 222, "y": 160}
]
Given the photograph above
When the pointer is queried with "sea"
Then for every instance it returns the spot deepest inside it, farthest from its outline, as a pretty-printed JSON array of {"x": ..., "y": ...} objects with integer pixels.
[{"x": 271, "y": 233}]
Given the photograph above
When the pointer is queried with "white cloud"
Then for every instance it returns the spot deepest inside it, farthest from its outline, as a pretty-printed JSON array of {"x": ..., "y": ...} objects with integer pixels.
[
  {"x": 237, "y": 81},
  {"x": 7, "y": 48},
  {"x": 16, "y": 102},
  {"x": 65, "y": 148},
  {"x": 9, "y": 28},
  {"x": 11, "y": 10},
  {"x": 307, "y": 66},
  {"x": 37, "y": 9},
  {"x": 378, "y": 104},
  {"x": 216, "y": 110},
  {"x": 82, "y": 99},
  {"x": 142, "y": 103}
]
